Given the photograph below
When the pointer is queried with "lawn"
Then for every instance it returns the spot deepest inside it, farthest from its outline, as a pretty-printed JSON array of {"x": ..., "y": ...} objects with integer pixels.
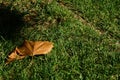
[{"x": 85, "y": 33}]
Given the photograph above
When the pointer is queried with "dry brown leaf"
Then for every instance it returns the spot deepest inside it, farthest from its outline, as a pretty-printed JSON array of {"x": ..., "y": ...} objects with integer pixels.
[
  {"x": 35, "y": 48},
  {"x": 30, "y": 48},
  {"x": 14, "y": 56}
]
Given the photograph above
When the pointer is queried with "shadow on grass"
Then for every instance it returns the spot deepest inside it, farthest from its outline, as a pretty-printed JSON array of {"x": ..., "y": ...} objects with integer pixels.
[{"x": 11, "y": 22}]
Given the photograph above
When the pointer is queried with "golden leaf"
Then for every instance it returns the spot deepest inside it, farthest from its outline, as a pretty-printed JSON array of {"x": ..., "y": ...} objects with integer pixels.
[{"x": 30, "y": 48}]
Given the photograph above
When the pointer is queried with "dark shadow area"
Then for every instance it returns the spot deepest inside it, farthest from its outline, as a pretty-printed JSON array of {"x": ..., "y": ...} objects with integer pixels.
[{"x": 11, "y": 22}]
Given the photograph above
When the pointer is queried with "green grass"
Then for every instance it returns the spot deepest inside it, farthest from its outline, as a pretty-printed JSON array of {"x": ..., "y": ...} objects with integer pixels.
[
  {"x": 104, "y": 15},
  {"x": 80, "y": 52}
]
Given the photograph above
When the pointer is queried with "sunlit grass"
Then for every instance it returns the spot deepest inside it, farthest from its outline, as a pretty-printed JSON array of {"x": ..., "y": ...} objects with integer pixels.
[{"x": 79, "y": 53}]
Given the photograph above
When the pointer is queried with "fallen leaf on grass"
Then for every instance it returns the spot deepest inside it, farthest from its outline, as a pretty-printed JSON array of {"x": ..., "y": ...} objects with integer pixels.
[{"x": 30, "y": 48}]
